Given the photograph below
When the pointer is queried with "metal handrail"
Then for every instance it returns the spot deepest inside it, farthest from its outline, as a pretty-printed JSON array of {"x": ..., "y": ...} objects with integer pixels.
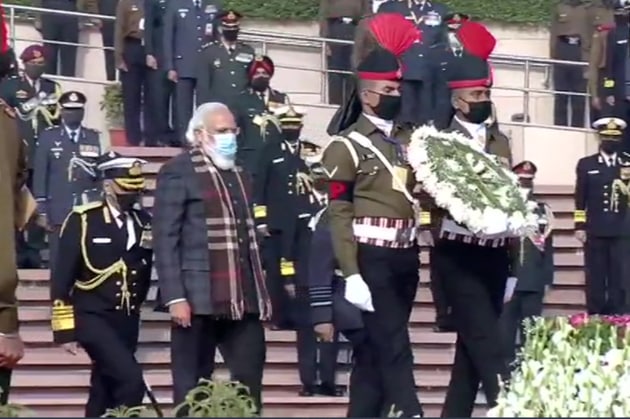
[{"x": 267, "y": 38}]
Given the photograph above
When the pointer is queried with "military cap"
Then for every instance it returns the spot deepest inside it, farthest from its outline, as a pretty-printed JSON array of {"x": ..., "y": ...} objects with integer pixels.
[
  {"x": 456, "y": 19},
  {"x": 380, "y": 64},
  {"x": 472, "y": 68},
  {"x": 261, "y": 61},
  {"x": 289, "y": 115},
  {"x": 72, "y": 100},
  {"x": 125, "y": 171},
  {"x": 230, "y": 19},
  {"x": 525, "y": 169},
  {"x": 32, "y": 52},
  {"x": 612, "y": 127}
]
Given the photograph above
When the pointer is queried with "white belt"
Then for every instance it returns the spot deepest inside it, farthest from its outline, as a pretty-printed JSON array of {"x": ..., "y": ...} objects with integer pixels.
[{"x": 384, "y": 233}]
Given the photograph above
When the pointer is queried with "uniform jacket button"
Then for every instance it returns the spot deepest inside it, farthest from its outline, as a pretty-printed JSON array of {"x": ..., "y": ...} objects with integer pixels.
[
  {"x": 118, "y": 283},
  {"x": 117, "y": 307},
  {"x": 117, "y": 294},
  {"x": 133, "y": 307}
]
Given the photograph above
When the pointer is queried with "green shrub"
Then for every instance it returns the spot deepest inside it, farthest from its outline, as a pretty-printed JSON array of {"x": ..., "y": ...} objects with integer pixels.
[
  {"x": 522, "y": 12},
  {"x": 210, "y": 399}
]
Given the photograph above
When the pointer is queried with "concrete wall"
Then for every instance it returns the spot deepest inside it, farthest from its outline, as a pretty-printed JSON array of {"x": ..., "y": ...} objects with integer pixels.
[{"x": 554, "y": 150}]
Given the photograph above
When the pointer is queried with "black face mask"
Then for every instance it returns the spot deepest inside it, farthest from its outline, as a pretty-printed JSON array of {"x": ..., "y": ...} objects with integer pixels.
[
  {"x": 230, "y": 35},
  {"x": 609, "y": 146},
  {"x": 527, "y": 183},
  {"x": 291, "y": 135},
  {"x": 388, "y": 107},
  {"x": 34, "y": 71},
  {"x": 72, "y": 117},
  {"x": 127, "y": 201},
  {"x": 478, "y": 112},
  {"x": 260, "y": 84}
]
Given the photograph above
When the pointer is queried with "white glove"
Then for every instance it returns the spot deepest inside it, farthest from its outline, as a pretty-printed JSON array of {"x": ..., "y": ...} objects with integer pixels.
[
  {"x": 358, "y": 293},
  {"x": 510, "y": 286}
]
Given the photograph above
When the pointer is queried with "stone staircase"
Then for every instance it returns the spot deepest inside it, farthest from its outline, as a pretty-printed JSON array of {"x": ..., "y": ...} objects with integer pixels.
[{"x": 53, "y": 383}]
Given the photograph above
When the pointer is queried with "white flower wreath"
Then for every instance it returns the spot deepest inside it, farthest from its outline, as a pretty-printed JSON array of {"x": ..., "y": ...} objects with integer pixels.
[{"x": 472, "y": 185}]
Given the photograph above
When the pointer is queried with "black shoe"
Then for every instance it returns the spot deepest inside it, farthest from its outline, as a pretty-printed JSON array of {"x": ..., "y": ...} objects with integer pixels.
[
  {"x": 330, "y": 390},
  {"x": 307, "y": 391}
]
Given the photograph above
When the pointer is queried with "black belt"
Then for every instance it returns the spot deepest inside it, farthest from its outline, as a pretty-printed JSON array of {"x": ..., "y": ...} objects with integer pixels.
[
  {"x": 345, "y": 20},
  {"x": 570, "y": 39}
]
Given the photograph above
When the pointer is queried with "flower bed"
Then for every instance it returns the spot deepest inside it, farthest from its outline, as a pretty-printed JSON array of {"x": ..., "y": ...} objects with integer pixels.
[
  {"x": 571, "y": 367},
  {"x": 472, "y": 185}
]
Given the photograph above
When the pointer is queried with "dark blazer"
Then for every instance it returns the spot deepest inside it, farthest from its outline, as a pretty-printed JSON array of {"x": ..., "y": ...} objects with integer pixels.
[{"x": 180, "y": 236}]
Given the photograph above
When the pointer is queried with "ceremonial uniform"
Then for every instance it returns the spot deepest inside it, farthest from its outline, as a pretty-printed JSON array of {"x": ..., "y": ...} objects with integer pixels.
[
  {"x": 64, "y": 171},
  {"x": 188, "y": 25},
  {"x": 100, "y": 282},
  {"x": 372, "y": 220},
  {"x": 62, "y": 59},
  {"x": 425, "y": 93},
  {"x": 35, "y": 100},
  {"x": 338, "y": 20},
  {"x": 161, "y": 89},
  {"x": 532, "y": 266},
  {"x": 222, "y": 68},
  {"x": 130, "y": 57},
  {"x": 572, "y": 26},
  {"x": 473, "y": 269},
  {"x": 253, "y": 109},
  {"x": 601, "y": 212}
]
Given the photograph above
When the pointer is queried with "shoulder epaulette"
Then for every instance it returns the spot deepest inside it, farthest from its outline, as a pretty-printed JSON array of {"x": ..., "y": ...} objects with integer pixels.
[{"x": 80, "y": 209}]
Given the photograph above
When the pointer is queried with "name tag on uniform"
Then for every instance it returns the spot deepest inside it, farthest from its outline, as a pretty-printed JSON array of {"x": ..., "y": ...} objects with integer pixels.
[
  {"x": 210, "y": 9},
  {"x": 88, "y": 150},
  {"x": 244, "y": 58},
  {"x": 623, "y": 41},
  {"x": 217, "y": 63},
  {"x": 593, "y": 172},
  {"x": 146, "y": 239},
  {"x": 399, "y": 178},
  {"x": 280, "y": 160},
  {"x": 141, "y": 24},
  {"x": 209, "y": 28},
  {"x": 134, "y": 8},
  {"x": 101, "y": 240}
]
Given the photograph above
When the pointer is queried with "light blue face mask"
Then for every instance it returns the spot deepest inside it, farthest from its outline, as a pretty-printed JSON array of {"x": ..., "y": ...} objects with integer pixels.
[{"x": 226, "y": 144}]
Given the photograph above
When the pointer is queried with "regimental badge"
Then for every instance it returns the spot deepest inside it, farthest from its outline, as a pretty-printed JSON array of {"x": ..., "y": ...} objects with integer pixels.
[
  {"x": 210, "y": 9},
  {"x": 73, "y": 97},
  {"x": 136, "y": 170},
  {"x": 217, "y": 63}
]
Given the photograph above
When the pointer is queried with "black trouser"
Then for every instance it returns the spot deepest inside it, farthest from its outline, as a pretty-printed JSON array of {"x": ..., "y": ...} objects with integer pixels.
[
  {"x": 110, "y": 340},
  {"x": 243, "y": 342},
  {"x": 57, "y": 27},
  {"x": 158, "y": 96},
  {"x": 523, "y": 305},
  {"x": 568, "y": 78},
  {"x": 5, "y": 385},
  {"x": 392, "y": 276},
  {"x": 134, "y": 83},
  {"x": 31, "y": 241},
  {"x": 474, "y": 280},
  {"x": 282, "y": 314},
  {"x": 339, "y": 59},
  {"x": 367, "y": 394},
  {"x": 107, "y": 32},
  {"x": 184, "y": 103},
  {"x": 442, "y": 309},
  {"x": 606, "y": 274}
]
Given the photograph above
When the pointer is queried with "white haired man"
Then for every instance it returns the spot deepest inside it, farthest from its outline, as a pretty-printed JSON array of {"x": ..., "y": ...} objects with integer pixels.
[{"x": 207, "y": 259}]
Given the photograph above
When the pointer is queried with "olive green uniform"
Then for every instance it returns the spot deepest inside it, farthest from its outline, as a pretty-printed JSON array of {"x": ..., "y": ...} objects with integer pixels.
[
  {"x": 222, "y": 74},
  {"x": 365, "y": 207}
]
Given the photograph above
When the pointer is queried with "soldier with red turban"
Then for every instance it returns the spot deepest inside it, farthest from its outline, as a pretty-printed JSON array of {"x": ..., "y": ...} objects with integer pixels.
[{"x": 473, "y": 270}]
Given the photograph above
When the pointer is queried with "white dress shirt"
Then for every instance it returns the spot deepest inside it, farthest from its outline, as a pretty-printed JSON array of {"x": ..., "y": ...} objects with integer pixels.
[
  {"x": 383, "y": 125},
  {"x": 478, "y": 132},
  {"x": 609, "y": 159},
  {"x": 70, "y": 132},
  {"x": 131, "y": 230}
]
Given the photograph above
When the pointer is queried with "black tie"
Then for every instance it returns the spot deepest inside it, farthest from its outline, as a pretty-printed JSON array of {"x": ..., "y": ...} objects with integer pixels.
[
  {"x": 198, "y": 4},
  {"x": 73, "y": 136},
  {"x": 123, "y": 227}
]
